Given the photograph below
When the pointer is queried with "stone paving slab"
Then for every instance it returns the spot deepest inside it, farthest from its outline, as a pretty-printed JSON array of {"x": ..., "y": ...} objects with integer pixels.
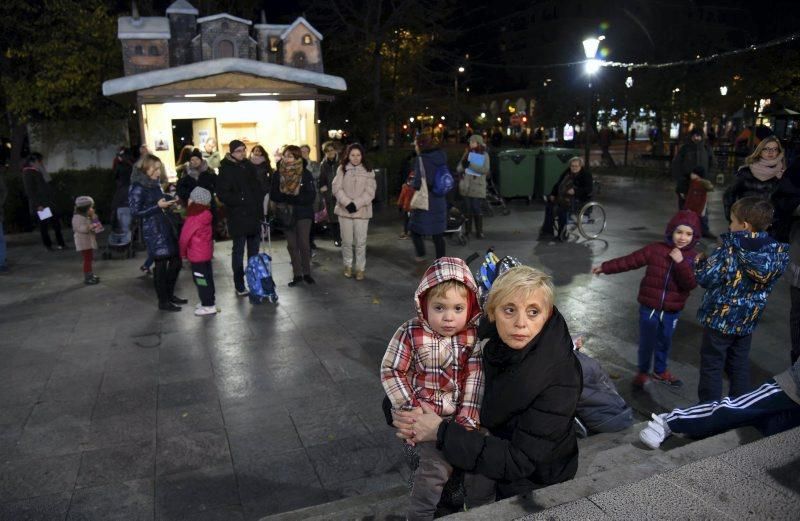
[{"x": 96, "y": 377}]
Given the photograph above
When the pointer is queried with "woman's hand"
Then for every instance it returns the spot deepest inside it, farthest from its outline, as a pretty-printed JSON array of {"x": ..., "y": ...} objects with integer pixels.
[
  {"x": 163, "y": 203},
  {"x": 417, "y": 425},
  {"x": 403, "y": 421}
]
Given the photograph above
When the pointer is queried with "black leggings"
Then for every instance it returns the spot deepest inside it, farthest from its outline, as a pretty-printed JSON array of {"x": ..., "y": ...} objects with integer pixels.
[
  {"x": 419, "y": 244},
  {"x": 165, "y": 275}
]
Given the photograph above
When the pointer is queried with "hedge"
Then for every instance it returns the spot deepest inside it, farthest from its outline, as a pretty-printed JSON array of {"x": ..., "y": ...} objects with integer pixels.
[{"x": 66, "y": 185}]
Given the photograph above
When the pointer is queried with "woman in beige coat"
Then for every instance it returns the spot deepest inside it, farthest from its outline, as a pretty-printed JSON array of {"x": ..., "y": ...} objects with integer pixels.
[
  {"x": 354, "y": 189},
  {"x": 474, "y": 167}
]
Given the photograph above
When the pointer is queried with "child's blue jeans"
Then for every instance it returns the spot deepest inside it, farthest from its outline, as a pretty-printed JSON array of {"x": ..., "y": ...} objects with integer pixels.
[{"x": 655, "y": 338}]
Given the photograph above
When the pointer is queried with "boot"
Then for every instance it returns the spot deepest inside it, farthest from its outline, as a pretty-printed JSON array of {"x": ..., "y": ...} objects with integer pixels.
[
  {"x": 479, "y": 226},
  {"x": 468, "y": 226},
  {"x": 89, "y": 279}
]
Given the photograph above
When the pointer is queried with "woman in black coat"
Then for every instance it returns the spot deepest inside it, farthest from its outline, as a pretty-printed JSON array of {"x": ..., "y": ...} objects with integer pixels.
[
  {"x": 533, "y": 382},
  {"x": 759, "y": 176},
  {"x": 148, "y": 202}
]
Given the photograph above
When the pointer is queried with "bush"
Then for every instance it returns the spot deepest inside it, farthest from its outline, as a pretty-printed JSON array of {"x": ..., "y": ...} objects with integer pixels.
[{"x": 66, "y": 185}]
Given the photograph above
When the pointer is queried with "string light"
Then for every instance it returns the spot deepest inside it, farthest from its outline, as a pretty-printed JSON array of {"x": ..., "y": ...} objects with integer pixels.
[{"x": 645, "y": 65}]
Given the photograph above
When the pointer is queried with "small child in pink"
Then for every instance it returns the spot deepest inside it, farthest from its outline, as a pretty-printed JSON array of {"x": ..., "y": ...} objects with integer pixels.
[{"x": 197, "y": 245}]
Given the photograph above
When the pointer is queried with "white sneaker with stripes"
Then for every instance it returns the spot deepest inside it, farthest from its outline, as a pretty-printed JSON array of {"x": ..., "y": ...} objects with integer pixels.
[{"x": 656, "y": 431}]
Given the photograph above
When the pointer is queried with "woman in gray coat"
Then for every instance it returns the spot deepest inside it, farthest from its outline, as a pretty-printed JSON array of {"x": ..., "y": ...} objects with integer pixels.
[{"x": 474, "y": 167}]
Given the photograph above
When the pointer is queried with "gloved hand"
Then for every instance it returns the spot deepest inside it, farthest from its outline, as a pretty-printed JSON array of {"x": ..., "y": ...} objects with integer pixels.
[{"x": 351, "y": 208}]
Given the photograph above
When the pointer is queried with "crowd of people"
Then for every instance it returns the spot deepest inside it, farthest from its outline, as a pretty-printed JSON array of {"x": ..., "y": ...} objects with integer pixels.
[{"x": 490, "y": 386}]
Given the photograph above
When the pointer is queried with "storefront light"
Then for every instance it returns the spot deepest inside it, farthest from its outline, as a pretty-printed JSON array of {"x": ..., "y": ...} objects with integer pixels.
[{"x": 199, "y": 95}]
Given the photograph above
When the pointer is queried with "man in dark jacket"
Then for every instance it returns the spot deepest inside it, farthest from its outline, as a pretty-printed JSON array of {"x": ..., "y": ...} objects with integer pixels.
[
  {"x": 695, "y": 153},
  {"x": 40, "y": 198},
  {"x": 240, "y": 190}
]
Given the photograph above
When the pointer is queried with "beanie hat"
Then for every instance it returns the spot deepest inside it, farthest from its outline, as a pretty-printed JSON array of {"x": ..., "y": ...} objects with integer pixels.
[
  {"x": 478, "y": 139},
  {"x": 235, "y": 144},
  {"x": 196, "y": 153},
  {"x": 200, "y": 196},
  {"x": 84, "y": 201}
]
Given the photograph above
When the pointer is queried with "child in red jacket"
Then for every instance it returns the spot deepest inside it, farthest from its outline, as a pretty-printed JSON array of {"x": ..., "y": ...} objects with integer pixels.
[
  {"x": 197, "y": 245},
  {"x": 663, "y": 292}
]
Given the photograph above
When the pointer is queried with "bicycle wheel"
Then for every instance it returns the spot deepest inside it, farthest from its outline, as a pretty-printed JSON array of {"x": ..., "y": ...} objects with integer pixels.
[{"x": 592, "y": 220}]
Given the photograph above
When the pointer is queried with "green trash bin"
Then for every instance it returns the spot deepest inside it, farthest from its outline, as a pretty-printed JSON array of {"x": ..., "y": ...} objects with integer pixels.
[
  {"x": 550, "y": 164},
  {"x": 516, "y": 172}
]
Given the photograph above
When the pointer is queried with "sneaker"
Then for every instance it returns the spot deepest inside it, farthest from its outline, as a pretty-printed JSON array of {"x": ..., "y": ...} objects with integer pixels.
[
  {"x": 639, "y": 380},
  {"x": 242, "y": 292},
  {"x": 656, "y": 432},
  {"x": 580, "y": 429},
  {"x": 667, "y": 378},
  {"x": 348, "y": 272},
  {"x": 205, "y": 310},
  {"x": 144, "y": 269}
]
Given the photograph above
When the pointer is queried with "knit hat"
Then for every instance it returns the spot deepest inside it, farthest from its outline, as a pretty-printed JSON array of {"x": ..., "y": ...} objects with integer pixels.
[
  {"x": 234, "y": 145},
  {"x": 196, "y": 153},
  {"x": 84, "y": 201},
  {"x": 200, "y": 196},
  {"x": 477, "y": 138}
]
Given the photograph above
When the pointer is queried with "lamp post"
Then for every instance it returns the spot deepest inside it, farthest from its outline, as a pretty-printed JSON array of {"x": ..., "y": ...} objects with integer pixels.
[
  {"x": 590, "y": 46},
  {"x": 455, "y": 89},
  {"x": 628, "y": 85}
]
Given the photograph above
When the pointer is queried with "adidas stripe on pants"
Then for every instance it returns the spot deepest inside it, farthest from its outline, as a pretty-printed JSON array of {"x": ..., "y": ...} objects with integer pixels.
[{"x": 767, "y": 408}]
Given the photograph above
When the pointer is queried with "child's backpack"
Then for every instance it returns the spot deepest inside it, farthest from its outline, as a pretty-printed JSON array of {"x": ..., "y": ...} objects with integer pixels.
[
  {"x": 443, "y": 180},
  {"x": 259, "y": 279}
]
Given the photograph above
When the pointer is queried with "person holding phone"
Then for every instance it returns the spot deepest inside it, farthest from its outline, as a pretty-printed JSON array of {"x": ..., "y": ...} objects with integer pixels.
[{"x": 148, "y": 202}]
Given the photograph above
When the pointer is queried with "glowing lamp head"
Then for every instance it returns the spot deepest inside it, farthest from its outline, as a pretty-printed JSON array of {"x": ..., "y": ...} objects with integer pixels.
[
  {"x": 592, "y": 66},
  {"x": 590, "y": 46}
]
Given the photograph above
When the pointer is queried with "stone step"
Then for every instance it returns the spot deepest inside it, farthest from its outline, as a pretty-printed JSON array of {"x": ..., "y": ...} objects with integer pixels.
[{"x": 606, "y": 461}]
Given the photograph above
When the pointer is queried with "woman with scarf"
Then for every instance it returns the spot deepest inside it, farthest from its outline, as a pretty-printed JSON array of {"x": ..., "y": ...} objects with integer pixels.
[
  {"x": 760, "y": 175},
  {"x": 293, "y": 192},
  {"x": 354, "y": 190}
]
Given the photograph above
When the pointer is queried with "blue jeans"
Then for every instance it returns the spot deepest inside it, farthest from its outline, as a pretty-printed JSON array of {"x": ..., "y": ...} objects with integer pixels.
[
  {"x": 767, "y": 408},
  {"x": 655, "y": 338},
  {"x": 720, "y": 351},
  {"x": 237, "y": 255},
  {"x": 2, "y": 246}
]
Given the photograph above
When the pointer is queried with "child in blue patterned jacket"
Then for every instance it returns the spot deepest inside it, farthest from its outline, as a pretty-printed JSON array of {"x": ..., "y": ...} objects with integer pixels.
[{"x": 738, "y": 277}]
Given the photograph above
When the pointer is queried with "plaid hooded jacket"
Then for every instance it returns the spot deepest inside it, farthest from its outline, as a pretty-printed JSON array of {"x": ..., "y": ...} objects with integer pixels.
[{"x": 422, "y": 366}]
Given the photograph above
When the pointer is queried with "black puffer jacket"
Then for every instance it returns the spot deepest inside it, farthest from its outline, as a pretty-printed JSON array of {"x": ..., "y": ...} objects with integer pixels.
[
  {"x": 241, "y": 192},
  {"x": 746, "y": 185},
  {"x": 528, "y": 406}
]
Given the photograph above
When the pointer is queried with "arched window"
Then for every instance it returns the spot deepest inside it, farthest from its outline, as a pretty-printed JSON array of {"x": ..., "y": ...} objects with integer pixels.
[
  {"x": 152, "y": 50},
  {"x": 138, "y": 50},
  {"x": 307, "y": 39},
  {"x": 224, "y": 49},
  {"x": 299, "y": 60}
]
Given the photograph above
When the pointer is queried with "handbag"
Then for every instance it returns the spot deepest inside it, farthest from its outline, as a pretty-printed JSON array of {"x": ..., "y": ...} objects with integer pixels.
[
  {"x": 284, "y": 216},
  {"x": 420, "y": 199},
  {"x": 321, "y": 215}
]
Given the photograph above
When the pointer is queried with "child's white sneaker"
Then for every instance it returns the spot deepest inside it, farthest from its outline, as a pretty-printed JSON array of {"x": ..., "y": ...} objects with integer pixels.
[
  {"x": 656, "y": 431},
  {"x": 205, "y": 310}
]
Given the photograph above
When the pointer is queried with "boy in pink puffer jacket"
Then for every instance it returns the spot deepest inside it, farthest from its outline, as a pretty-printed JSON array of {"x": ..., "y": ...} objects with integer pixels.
[{"x": 197, "y": 245}]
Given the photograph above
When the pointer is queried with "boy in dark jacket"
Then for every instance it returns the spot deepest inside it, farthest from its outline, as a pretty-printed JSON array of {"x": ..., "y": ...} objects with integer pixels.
[
  {"x": 663, "y": 292},
  {"x": 738, "y": 277}
]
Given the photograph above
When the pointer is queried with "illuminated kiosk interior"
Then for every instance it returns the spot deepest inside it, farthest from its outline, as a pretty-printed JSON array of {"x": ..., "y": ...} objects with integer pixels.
[{"x": 221, "y": 77}]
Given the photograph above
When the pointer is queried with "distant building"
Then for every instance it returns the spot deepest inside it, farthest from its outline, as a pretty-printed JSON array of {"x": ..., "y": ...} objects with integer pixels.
[{"x": 183, "y": 71}]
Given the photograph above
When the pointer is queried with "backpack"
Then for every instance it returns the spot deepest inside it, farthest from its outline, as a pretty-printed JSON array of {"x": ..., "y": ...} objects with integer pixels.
[
  {"x": 443, "y": 180},
  {"x": 259, "y": 279}
]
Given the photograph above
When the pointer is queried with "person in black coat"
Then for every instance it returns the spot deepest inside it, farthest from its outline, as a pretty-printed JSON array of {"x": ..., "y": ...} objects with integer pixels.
[
  {"x": 533, "y": 382},
  {"x": 40, "y": 196},
  {"x": 572, "y": 190},
  {"x": 759, "y": 176},
  {"x": 240, "y": 190}
]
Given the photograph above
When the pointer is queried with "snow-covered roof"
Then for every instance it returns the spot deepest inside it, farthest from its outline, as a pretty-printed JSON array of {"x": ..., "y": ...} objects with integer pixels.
[
  {"x": 203, "y": 69},
  {"x": 223, "y": 15},
  {"x": 301, "y": 20},
  {"x": 143, "y": 27},
  {"x": 271, "y": 28},
  {"x": 182, "y": 7}
]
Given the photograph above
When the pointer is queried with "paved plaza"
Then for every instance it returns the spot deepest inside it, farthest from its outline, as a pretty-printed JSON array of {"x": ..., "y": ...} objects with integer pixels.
[{"x": 111, "y": 409}]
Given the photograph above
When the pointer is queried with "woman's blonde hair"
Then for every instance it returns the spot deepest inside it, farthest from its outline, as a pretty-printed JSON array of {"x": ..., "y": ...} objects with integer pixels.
[
  {"x": 519, "y": 279},
  {"x": 756, "y": 155},
  {"x": 148, "y": 162}
]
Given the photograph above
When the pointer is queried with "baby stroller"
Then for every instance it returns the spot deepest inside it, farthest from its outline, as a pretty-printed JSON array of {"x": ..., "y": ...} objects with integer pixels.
[
  {"x": 493, "y": 199},
  {"x": 120, "y": 239},
  {"x": 455, "y": 226}
]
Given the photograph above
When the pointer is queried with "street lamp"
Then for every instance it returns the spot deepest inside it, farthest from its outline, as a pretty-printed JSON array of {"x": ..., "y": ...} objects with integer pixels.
[
  {"x": 590, "y": 46},
  {"x": 458, "y": 123},
  {"x": 723, "y": 90}
]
